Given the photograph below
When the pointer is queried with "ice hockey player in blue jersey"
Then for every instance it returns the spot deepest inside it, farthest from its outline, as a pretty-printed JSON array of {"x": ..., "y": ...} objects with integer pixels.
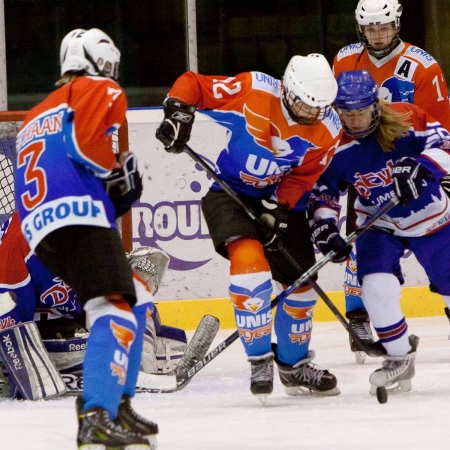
[
  {"x": 403, "y": 73},
  {"x": 389, "y": 150},
  {"x": 30, "y": 292}
]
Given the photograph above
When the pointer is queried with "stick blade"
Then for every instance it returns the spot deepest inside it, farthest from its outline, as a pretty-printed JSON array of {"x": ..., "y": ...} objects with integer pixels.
[{"x": 197, "y": 348}]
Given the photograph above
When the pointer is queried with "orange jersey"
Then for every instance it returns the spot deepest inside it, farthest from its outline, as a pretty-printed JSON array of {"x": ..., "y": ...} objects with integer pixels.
[
  {"x": 267, "y": 153},
  {"x": 98, "y": 106},
  {"x": 64, "y": 150},
  {"x": 408, "y": 74}
]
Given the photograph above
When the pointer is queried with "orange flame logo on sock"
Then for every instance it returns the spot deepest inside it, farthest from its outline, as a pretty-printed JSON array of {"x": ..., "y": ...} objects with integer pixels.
[{"x": 124, "y": 335}]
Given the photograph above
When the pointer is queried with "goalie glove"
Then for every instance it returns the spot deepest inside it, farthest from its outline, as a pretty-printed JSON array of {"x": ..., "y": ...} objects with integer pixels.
[
  {"x": 175, "y": 130},
  {"x": 325, "y": 235},
  {"x": 124, "y": 185},
  {"x": 409, "y": 179},
  {"x": 150, "y": 264}
]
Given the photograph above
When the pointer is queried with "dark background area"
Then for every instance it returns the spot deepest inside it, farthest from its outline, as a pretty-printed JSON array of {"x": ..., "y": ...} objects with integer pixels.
[{"x": 232, "y": 36}]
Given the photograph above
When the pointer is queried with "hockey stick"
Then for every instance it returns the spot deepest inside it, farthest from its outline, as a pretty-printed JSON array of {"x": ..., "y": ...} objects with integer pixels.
[
  {"x": 196, "y": 351},
  {"x": 164, "y": 383},
  {"x": 375, "y": 349}
]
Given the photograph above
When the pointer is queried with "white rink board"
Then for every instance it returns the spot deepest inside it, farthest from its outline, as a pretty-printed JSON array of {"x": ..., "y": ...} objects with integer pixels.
[{"x": 169, "y": 215}]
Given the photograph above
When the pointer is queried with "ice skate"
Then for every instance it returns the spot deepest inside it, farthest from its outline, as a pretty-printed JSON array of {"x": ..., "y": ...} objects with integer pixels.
[
  {"x": 360, "y": 323},
  {"x": 96, "y": 431},
  {"x": 396, "y": 373},
  {"x": 261, "y": 383},
  {"x": 128, "y": 419},
  {"x": 306, "y": 378}
]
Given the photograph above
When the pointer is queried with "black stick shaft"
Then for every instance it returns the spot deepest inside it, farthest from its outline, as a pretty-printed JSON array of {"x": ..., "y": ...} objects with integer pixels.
[{"x": 306, "y": 276}]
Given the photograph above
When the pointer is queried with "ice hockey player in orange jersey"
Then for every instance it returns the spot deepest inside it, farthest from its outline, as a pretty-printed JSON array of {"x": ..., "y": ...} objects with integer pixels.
[
  {"x": 281, "y": 137},
  {"x": 70, "y": 188}
]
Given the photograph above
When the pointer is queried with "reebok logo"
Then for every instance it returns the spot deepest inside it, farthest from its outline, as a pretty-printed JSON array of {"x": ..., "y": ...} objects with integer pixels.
[
  {"x": 181, "y": 117},
  {"x": 11, "y": 352}
]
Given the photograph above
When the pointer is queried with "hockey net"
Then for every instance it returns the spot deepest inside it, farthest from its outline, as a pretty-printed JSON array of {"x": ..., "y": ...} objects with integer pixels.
[{"x": 10, "y": 123}]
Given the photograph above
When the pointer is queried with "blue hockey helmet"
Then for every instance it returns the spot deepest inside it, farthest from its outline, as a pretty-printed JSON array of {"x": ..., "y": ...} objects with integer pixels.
[{"x": 357, "y": 90}]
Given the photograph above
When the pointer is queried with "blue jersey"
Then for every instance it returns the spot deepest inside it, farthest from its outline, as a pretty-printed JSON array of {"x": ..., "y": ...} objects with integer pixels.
[
  {"x": 37, "y": 289},
  {"x": 365, "y": 165}
]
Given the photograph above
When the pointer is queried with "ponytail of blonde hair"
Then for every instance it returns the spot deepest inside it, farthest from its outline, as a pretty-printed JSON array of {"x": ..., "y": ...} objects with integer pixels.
[{"x": 393, "y": 125}]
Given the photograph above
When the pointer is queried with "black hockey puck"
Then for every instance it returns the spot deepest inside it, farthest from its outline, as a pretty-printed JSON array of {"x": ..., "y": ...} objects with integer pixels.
[{"x": 382, "y": 395}]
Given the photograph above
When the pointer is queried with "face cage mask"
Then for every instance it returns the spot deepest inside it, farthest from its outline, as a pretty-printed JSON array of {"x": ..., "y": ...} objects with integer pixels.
[
  {"x": 379, "y": 53},
  {"x": 373, "y": 124},
  {"x": 289, "y": 101}
]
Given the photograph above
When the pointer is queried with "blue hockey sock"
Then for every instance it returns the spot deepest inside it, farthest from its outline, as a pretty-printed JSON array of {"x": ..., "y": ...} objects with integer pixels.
[
  {"x": 352, "y": 288},
  {"x": 135, "y": 356},
  {"x": 252, "y": 310},
  {"x": 293, "y": 326},
  {"x": 106, "y": 362}
]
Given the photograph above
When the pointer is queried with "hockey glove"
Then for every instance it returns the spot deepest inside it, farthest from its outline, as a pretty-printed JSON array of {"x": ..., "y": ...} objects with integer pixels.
[
  {"x": 325, "y": 235},
  {"x": 445, "y": 183},
  {"x": 175, "y": 130},
  {"x": 124, "y": 185},
  {"x": 275, "y": 216},
  {"x": 150, "y": 264},
  {"x": 409, "y": 179}
]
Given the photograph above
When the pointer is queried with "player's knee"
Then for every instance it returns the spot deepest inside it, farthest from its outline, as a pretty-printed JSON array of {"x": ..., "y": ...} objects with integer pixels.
[
  {"x": 111, "y": 305},
  {"x": 247, "y": 256}
]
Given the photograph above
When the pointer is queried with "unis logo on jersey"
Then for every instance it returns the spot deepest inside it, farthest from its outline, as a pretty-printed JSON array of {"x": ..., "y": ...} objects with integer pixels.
[{"x": 261, "y": 171}]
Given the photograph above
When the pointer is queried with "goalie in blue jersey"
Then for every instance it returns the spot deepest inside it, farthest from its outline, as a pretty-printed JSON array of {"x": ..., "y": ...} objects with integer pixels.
[{"x": 34, "y": 300}]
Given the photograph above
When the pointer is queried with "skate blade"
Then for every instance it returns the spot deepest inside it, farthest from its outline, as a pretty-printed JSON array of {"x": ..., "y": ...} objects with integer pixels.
[
  {"x": 304, "y": 391},
  {"x": 152, "y": 440},
  {"x": 396, "y": 388},
  {"x": 120, "y": 447},
  {"x": 360, "y": 357},
  {"x": 262, "y": 398}
]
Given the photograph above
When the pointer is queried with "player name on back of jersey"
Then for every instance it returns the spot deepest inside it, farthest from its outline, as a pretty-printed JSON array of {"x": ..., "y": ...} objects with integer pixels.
[{"x": 40, "y": 126}]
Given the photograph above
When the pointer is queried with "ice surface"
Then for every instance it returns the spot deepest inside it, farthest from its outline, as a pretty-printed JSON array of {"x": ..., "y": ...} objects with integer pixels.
[{"x": 217, "y": 412}]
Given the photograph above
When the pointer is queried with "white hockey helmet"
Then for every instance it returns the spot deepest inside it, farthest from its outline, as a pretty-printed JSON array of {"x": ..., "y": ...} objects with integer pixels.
[
  {"x": 71, "y": 53},
  {"x": 309, "y": 79},
  {"x": 92, "y": 51},
  {"x": 378, "y": 12}
]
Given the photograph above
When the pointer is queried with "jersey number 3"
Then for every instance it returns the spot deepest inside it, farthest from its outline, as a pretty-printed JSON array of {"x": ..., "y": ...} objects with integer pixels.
[{"x": 33, "y": 174}]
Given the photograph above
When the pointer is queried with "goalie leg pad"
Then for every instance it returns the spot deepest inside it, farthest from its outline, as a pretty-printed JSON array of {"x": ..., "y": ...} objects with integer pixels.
[
  {"x": 171, "y": 343},
  {"x": 68, "y": 355},
  {"x": 32, "y": 374}
]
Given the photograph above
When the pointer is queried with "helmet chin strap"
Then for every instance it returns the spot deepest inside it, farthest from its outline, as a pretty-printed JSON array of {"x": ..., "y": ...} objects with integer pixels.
[
  {"x": 297, "y": 119},
  {"x": 95, "y": 66}
]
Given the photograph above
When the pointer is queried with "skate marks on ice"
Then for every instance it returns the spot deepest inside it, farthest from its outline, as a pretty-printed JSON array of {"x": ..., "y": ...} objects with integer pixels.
[{"x": 216, "y": 411}]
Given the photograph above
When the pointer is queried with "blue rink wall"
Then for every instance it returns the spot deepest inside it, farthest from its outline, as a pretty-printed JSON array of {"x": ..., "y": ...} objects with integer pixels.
[{"x": 168, "y": 216}]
